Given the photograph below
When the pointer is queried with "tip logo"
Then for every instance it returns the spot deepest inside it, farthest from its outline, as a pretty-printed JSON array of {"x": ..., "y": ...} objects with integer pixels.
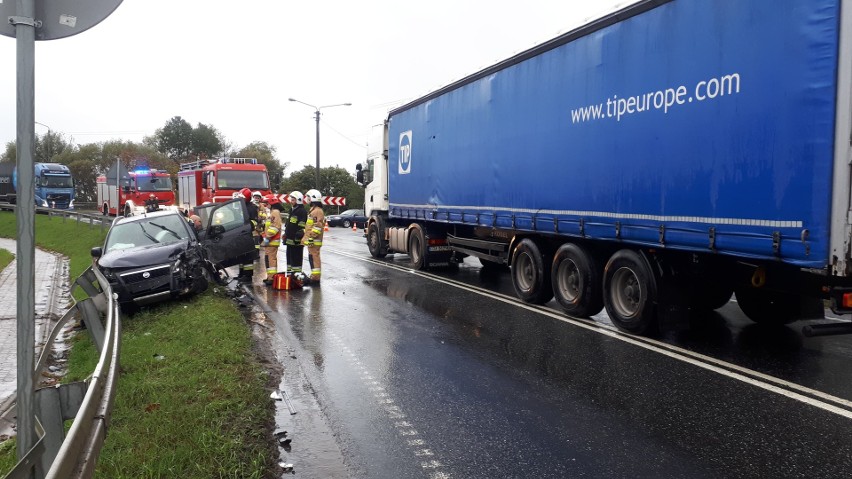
[{"x": 405, "y": 152}]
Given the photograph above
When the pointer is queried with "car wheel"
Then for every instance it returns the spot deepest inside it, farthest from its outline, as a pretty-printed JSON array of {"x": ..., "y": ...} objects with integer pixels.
[{"x": 346, "y": 224}]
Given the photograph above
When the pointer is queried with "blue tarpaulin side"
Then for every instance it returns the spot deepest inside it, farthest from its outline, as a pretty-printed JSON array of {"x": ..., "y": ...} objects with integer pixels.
[{"x": 691, "y": 116}]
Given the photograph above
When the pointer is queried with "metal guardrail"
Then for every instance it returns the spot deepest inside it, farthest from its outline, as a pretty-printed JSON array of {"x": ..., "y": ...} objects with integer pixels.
[
  {"x": 90, "y": 218},
  {"x": 55, "y": 455}
]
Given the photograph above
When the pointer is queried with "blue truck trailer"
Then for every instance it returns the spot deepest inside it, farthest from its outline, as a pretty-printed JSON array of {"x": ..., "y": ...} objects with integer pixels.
[
  {"x": 54, "y": 185},
  {"x": 653, "y": 161}
]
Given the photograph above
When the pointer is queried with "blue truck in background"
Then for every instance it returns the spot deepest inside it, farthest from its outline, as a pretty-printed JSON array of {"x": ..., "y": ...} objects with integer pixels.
[
  {"x": 54, "y": 185},
  {"x": 652, "y": 162}
]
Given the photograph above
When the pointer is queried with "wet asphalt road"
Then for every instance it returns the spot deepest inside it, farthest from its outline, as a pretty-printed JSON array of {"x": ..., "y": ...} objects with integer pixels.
[{"x": 398, "y": 374}]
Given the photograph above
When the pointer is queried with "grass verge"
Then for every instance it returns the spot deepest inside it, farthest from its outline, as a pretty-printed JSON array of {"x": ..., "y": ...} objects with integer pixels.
[
  {"x": 191, "y": 398},
  {"x": 6, "y": 257}
]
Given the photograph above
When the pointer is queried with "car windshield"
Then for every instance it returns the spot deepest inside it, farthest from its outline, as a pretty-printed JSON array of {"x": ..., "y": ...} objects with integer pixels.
[
  {"x": 234, "y": 179},
  {"x": 149, "y": 231},
  {"x": 55, "y": 181},
  {"x": 155, "y": 183}
]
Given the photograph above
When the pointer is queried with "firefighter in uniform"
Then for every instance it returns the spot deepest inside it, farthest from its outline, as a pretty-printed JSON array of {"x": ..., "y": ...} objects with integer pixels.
[
  {"x": 247, "y": 266},
  {"x": 262, "y": 217},
  {"x": 314, "y": 227},
  {"x": 294, "y": 231},
  {"x": 271, "y": 236}
]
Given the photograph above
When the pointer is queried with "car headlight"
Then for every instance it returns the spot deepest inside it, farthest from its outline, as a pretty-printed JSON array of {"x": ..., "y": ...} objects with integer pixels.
[{"x": 108, "y": 273}]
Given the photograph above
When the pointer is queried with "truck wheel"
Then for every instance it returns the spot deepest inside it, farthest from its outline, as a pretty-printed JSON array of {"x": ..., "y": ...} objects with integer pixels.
[
  {"x": 708, "y": 297},
  {"x": 374, "y": 241},
  {"x": 417, "y": 248},
  {"x": 768, "y": 307},
  {"x": 630, "y": 293},
  {"x": 576, "y": 281},
  {"x": 531, "y": 273}
]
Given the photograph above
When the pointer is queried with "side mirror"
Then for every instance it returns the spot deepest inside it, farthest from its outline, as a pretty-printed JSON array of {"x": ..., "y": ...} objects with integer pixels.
[
  {"x": 216, "y": 231},
  {"x": 97, "y": 252}
]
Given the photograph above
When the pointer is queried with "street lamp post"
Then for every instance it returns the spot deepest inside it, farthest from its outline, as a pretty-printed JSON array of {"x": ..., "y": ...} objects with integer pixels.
[
  {"x": 317, "y": 118},
  {"x": 48, "y": 138}
]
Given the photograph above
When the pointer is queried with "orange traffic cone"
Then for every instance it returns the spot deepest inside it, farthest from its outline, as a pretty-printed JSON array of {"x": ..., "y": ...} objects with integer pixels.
[
  {"x": 325, "y": 228},
  {"x": 354, "y": 227}
]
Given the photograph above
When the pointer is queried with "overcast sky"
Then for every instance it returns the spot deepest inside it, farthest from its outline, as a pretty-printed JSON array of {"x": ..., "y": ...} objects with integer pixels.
[{"x": 233, "y": 65}]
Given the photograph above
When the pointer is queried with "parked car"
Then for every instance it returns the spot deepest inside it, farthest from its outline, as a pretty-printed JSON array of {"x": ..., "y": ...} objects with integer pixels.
[
  {"x": 160, "y": 255},
  {"x": 347, "y": 219}
]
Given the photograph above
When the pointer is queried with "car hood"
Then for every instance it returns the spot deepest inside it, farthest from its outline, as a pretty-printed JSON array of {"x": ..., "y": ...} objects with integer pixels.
[{"x": 144, "y": 256}]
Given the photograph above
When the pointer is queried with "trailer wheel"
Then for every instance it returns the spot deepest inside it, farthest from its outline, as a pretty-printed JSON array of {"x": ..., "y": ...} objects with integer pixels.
[
  {"x": 768, "y": 307},
  {"x": 576, "y": 281},
  {"x": 708, "y": 296},
  {"x": 630, "y": 292},
  {"x": 531, "y": 273},
  {"x": 417, "y": 248},
  {"x": 374, "y": 241}
]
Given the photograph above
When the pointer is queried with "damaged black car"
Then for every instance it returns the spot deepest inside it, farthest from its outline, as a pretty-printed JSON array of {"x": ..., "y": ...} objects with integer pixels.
[{"x": 161, "y": 255}]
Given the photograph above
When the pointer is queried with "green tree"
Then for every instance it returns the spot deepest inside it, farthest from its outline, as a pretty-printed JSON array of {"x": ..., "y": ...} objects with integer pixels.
[
  {"x": 265, "y": 153},
  {"x": 49, "y": 146},
  {"x": 336, "y": 181},
  {"x": 207, "y": 142},
  {"x": 175, "y": 139},
  {"x": 10, "y": 153}
]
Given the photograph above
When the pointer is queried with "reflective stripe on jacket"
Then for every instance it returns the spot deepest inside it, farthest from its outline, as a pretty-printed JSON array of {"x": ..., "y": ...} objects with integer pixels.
[
  {"x": 314, "y": 227},
  {"x": 273, "y": 228}
]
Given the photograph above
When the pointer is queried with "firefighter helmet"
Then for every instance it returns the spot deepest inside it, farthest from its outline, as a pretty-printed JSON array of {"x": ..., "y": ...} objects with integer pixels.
[
  {"x": 296, "y": 198},
  {"x": 258, "y": 194},
  {"x": 246, "y": 193},
  {"x": 314, "y": 196},
  {"x": 270, "y": 200}
]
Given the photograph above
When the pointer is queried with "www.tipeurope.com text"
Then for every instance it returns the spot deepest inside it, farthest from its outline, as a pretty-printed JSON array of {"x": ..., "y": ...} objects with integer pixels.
[{"x": 658, "y": 100}]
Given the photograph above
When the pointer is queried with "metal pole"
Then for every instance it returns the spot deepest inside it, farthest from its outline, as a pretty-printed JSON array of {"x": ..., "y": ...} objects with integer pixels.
[
  {"x": 318, "y": 152},
  {"x": 25, "y": 44}
]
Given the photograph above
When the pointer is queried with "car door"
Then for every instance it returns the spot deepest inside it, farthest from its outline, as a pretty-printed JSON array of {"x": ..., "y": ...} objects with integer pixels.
[{"x": 227, "y": 234}]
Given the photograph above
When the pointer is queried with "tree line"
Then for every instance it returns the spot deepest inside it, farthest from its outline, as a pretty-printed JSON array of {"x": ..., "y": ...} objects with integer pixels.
[{"x": 177, "y": 142}]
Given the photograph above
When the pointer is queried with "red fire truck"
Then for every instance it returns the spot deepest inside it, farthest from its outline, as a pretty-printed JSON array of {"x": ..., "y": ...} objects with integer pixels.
[
  {"x": 125, "y": 192},
  {"x": 217, "y": 180}
]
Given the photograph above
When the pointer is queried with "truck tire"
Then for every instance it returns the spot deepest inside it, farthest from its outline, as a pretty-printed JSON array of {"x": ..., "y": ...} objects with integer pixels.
[
  {"x": 710, "y": 296},
  {"x": 417, "y": 248},
  {"x": 531, "y": 273},
  {"x": 768, "y": 307},
  {"x": 374, "y": 241},
  {"x": 630, "y": 293},
  {"x": 576, "y": 281}
]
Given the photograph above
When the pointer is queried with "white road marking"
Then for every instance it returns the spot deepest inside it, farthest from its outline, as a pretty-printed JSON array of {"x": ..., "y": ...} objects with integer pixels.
[
  {"x": 404, "y": 428},
  {"x": 797, "y": 392}
]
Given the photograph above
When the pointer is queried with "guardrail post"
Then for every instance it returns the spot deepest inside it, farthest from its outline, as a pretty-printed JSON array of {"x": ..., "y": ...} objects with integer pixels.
[
  {"x": 54, "y": 405},
  {"x": 92, "y": 320}
]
